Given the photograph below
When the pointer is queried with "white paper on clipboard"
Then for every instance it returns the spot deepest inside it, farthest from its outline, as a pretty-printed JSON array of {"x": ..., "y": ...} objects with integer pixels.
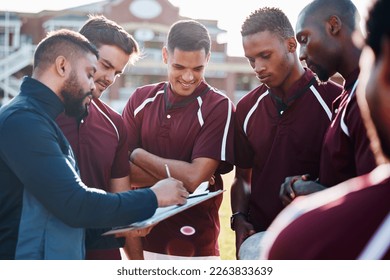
[{"x": 163, "y": 213}]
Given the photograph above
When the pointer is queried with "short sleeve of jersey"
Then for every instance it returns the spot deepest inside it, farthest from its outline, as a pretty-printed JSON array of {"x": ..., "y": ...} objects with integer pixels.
[
  {"x": 243, "y": 152},
  {"x": 215, "y": 139},
  {"x": 364, "y": 157},
  {"x": 120, "y": 167},
  {"x": 131, "y": 123}
]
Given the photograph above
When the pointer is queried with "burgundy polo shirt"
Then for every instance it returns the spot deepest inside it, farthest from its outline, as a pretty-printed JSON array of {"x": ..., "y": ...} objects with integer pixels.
[
  {"x": 346, "y": 222},
  {"x": 277, "y": 142},
  {"x": 346, "y": 152},
  {"x": 184, "y": 128},
  {"x": 99, "y": 142}
]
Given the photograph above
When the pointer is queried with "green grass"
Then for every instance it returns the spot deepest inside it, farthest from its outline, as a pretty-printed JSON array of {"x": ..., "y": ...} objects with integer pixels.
[{"x": 226, "y": 237}]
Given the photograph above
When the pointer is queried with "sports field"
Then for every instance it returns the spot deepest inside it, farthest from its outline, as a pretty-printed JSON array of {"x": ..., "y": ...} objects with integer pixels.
[{"x": 226, "y": 238}]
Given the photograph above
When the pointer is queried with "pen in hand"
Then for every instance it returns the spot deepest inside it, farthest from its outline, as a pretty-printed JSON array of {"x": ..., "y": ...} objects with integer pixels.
[
  {"x": 169, "y": 176},
  {"x": 167, "y": 171}
]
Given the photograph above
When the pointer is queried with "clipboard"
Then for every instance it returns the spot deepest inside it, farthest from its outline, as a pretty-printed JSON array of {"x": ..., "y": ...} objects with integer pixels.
[{"x": 163, "y": 213}]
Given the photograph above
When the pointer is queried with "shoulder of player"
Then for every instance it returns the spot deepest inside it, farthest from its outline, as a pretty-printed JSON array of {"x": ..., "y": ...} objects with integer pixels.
[
  {"x": 100, "y": 107},
  {"x": 150, "y": 89},
  {"x": 329, "y": 89},
  {"x": 252, "y": 97},
  {"x": 216, "y": 98},
  {"x": 146, "y": 93}
]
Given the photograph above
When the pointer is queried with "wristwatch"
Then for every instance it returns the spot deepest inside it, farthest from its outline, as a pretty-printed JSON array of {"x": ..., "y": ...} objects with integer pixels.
[{"x": 234, "y": 216}]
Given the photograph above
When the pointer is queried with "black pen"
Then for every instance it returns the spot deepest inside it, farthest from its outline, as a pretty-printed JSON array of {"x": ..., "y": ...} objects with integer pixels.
[{"x": 197, "y": 194}]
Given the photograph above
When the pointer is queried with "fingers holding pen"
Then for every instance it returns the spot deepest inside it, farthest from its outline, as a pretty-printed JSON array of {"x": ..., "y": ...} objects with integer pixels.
[
  {"x": 170, "y": 191},
  {"x": 184, "y": 193}
]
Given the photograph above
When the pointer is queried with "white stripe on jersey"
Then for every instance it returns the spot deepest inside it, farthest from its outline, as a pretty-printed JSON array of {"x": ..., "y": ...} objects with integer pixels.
[
  {"x": 248, "y": 116},
  {"x": 316, "y": 200},
  {"x": 107, "y": 117},
  {"x": 227, "y": 124},
  {"x": 200, "y": 117},
  {"x": 322, "y": 102},
  {"x": 146, "y": 101},
  {"x": 379, "y": 243},
  {"x": 344, "y": 126},
  {"x": 226, "y": 131}
]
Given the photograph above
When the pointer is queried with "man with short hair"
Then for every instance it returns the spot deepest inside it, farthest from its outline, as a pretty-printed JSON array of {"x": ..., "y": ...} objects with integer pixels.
[
  {"x": 326, "y": 31},
  {"x": 44, "y": 205},
  {"x": 350, "y": 220},
  {"x": 99, "y": 138},
  {"x": 188, "y": 125},
  {"x": 279, "y": 125}
]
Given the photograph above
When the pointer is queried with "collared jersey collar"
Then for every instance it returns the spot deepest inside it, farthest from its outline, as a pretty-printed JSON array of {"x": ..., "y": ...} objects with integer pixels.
[
  {"x": 174, "y": 98},
  {"x": 300, "y": 87},
  {"x": 50, "y": 102},
  {"x": 296, "y": 87},
  {"x": 175, "y": 101}
]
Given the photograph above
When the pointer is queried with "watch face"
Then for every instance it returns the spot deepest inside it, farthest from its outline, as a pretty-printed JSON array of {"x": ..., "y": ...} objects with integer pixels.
[
  {"x": 145, "y": 9},
  {"x": 231, "y": 222},
  {"x": 234, "y": 216}
]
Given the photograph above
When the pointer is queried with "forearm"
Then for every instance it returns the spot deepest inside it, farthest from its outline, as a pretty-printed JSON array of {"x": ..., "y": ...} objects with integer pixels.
[
  {"x": 240, "y": 191},
  {"x": 133, "y": 248},
  {"x": 140, "y": 177},
  {"x": 120, "y": 184},
  {"x": 145, "y": 163},
  {"x": 239, "y": 197},
  {"x": 190, "y": 173}
]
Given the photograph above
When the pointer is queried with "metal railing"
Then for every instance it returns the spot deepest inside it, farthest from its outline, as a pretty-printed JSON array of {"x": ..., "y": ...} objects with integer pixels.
[
  {"x": 16, "y": 61},
  {"x": 11, "y": 64}
]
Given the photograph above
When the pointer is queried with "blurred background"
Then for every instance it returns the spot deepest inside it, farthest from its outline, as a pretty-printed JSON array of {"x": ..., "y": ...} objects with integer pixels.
[{"x": 24, "y": 23}]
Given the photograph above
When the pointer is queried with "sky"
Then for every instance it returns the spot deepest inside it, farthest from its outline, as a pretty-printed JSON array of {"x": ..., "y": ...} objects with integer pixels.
[{"x": 230, "y": 14}]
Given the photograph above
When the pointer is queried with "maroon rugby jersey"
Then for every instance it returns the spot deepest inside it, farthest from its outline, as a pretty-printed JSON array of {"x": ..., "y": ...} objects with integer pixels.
[
  {"x": 99, "y": 142},
  {"x": 276, "y": 145},
  {"x": 348, "y": 221},
  {"x": 346, "y": 152},
  {"x": 184, "y": 128}
]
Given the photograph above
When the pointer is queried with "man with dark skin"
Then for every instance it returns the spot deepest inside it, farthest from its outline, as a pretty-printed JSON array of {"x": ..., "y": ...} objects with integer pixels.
[
  {"x": 350, "y": 220},
  {"x": 274, "y": 137},
  {"x": 327, "y": 31}
]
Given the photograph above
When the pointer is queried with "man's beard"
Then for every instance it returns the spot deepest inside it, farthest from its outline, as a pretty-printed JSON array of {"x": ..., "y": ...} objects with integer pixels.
[
  {"x": 323, "y": 77},
  {"x": 74, "y": 97},
  {"x": 322, "y": 74}
]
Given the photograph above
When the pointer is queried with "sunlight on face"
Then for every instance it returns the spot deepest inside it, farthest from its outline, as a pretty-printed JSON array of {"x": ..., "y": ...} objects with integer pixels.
[{"x": 185, "y": 69}]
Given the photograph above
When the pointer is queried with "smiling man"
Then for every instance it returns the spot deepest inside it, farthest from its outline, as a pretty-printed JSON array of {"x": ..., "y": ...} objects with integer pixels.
[
  {"x": 98, "y": 137},
  {"x": 188, "y": 125},
  {"x": 44, "y": 205},
  {"x": 279, "y": 125}
]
